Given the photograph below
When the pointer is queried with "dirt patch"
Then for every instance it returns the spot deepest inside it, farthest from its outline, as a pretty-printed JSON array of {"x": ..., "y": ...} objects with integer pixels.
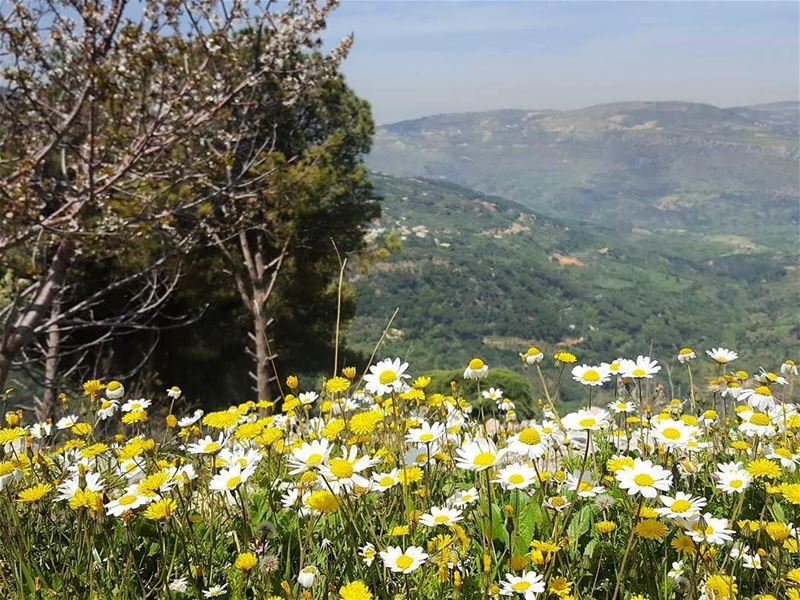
[{"x": 567, "y": 261}]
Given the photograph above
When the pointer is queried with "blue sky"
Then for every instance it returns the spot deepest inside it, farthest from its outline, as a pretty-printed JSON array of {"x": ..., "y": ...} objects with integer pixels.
[{"x": 417, "y": 58}]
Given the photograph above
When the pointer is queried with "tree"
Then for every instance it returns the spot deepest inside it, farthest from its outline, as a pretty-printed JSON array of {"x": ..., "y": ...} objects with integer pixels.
[
  {"x": 289, "y": 182},
  {"x": 110, "y": 123}
]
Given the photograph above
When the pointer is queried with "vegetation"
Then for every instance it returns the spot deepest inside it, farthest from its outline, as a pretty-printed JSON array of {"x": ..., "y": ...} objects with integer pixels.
[
  {"x": 381, "y": 487},
  {"x": 167, "y": 165},
  {"x": 478, "y": 271}
]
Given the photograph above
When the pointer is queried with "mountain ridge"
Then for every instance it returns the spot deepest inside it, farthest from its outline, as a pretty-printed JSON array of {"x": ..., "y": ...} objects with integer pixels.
[{"x": 648, "y": 163}]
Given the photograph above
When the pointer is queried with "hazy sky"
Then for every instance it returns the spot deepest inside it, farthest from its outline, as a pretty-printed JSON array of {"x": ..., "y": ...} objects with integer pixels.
[{"x": 417, "y": 58}]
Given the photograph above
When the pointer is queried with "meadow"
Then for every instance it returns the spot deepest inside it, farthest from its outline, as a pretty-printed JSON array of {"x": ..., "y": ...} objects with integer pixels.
[{"x": 368, "y": 485}]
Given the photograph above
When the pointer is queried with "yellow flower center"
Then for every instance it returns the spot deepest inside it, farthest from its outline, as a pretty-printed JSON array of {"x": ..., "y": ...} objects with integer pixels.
[
  {"x": 516, "y": 479},
  {"x": 638, "y": 372},
  {"x": 671, "y": 433},
  {"x": 591, "y": 375},
  {"x": 583, "y": 486},
  {"x": 233, "y": 482},
  {"x": 529, "y": 436},
  {"x": 644, "y": 479},
  {"x": 484, "y": 459},
  {"x": 341, "y": 468},
  {"x": 314, "y": 459},
  {"x": 404, "y": 561},
  {"x": 521, "y": 586},
  {"x": 680, "y": 506},
  {"x": 426, "y": 437},
  {"x": 387, "y": 377},
  {"x": 476, "y": 364},
  {"x": 763, "y": 390},
  {"x": 212, "y": 447},
  {"x": 113, "y": 385},
  {"x": 784, "y": 452},
  {"x": 759, "y": 419},
  {"x": 386, "y": 481},
  {"x": 588, "y": 422},
  {"x": 441, "y": 519},
  {"x": 127, "y": 499},
  {"x": 736, "y": 483}
]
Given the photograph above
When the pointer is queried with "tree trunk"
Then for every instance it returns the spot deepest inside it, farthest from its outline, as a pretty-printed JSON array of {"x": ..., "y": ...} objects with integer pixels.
[
  {"x": 262, "y": 357},
  {"x": 48, "y": 403},
  {"x": 20, "y": 333}
]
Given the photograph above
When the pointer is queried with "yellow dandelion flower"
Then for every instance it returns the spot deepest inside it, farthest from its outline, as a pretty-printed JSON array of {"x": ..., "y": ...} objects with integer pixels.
[
  {"x": 616, "y": 463},
  {"x": 34, "y": 493},
  {"x": 222, "y": 419},
  {"x": 778, "y": 531},
  {"x": 333, "y": 428},
  {"x": 135, "y": 416},
  {"x": 565, "y": 357},
  {"x": 650, "y": 529},
  {"x": 161, "y": 510},
  {"x": 322, "y": 501},
  {"x": 10, "y": 435},
  {"x": 94, "y": 450},
  {"x": 411, "y": 475},
  {"x": 245, "y": 561},
  {"x": 249, "y": 430},
  {"x": 684, "y": 544},
  {"x": 421, "y": 382},
  {"x": 364, "y": 423},
  {"x": 292, "y": 382},
  {"x": 764, "y": 468},
  {"x": 399, "y": 530},
  {"x": 355, "y": 590},
  {"x": 792, "y": 493},
  {"x": 605, "y": 526},
  {"x": 337, "y": 385},
  {"x": 92, "y": 388},
  {"x": 647, "y": 512},
  {"x": 720, "y": 587}
]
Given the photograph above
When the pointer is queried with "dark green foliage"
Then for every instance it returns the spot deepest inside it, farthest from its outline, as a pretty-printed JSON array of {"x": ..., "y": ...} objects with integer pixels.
[
  {"x": 499, "y": 286},
  {"x": 514, "y": 385}
]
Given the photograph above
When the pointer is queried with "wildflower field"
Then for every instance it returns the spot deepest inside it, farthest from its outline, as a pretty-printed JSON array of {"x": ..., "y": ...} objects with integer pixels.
[{"x": 373, "y": 487}]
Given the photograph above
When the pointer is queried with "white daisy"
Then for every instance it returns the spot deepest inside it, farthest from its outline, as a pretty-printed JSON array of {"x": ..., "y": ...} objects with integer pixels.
[
  {"x": 529, "y": 585},
  {"x": 722, "y": 355},
  {"x": 386, "y": 377},
  {"x": 645, "y": 478},
  {"x": 593, "y": 376},
  {"x": 643, "y": 367},
  {"x": 403, "y": 561},
  {"x": 516, "y": 477},
  {"x": 478, "y": 455},
  {"x": 476, "y": 369},
  {"x": 441, "y": 516}
]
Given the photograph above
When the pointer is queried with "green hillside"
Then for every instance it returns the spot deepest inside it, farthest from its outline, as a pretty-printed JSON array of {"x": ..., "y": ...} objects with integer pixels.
[
  {"x": 478, "y": 274},
  {"x": 673, "y": 164}
]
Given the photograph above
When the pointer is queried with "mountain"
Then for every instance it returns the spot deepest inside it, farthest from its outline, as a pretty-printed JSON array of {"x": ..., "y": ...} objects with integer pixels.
[
  {"x": 481, "y": 275},
  {"x": 643, "y": 164}
]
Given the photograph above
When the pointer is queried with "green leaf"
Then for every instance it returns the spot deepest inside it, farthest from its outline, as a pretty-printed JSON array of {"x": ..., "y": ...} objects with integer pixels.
[
  {"x": 579, "y": 524},
  {"x": 529, "y": 517},
  {"x": 499, "y": 531}
]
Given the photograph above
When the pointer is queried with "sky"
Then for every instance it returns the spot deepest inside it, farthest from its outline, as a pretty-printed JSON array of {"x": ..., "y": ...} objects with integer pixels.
[{"x": 414, "y": 58}]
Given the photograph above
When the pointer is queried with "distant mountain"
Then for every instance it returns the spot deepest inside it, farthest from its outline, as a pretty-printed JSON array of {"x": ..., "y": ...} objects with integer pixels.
[
  {"x": 481, "y": 275},
  {"x": 648, "y": 164}
]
